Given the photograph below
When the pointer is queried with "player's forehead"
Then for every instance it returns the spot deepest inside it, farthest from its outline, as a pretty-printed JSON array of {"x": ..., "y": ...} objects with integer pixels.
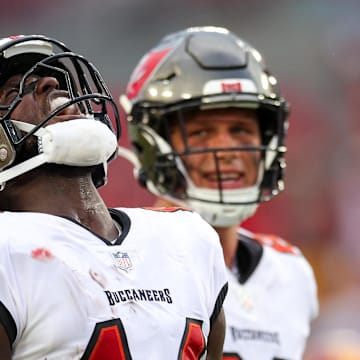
[
  {"x": 12, "y": 81},
  {"x": 221, "y": 117}
]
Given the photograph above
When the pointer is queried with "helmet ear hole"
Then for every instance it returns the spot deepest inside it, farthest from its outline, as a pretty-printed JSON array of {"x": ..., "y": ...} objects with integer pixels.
[
  {"x": 138, "y": 148},
  {"x": 272, "y": 181},
  {"x": 142, "y": 177},
  {"x": 172, "y": 180}
]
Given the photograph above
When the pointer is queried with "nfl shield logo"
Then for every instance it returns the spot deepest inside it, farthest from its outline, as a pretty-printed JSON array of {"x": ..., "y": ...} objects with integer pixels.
[{"x": 122, "y": 260}]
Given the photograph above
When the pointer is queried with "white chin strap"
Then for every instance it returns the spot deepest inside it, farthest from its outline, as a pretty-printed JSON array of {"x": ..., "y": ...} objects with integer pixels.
[{"x": 80, "y": 142}]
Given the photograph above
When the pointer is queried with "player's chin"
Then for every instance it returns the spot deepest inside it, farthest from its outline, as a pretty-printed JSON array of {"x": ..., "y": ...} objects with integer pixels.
[{"x": 69, "y": 171}]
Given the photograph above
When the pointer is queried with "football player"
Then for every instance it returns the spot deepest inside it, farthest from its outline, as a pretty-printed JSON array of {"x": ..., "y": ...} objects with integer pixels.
[
  {"x": 208, "y": 126},
  {"x": 78, "y": 280}
]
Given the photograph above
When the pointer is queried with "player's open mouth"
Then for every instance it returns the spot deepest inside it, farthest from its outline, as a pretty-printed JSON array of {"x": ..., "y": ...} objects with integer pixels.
[
  {"x": 70, "y": 112},
  {"x": 232, "y": 179}
]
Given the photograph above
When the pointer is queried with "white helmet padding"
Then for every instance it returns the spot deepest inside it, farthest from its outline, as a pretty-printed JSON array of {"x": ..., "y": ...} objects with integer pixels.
[{"x": 80, "y": 142}]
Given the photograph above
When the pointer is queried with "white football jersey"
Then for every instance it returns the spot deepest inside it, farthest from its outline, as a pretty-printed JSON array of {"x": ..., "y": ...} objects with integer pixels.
[
  {"x": 269, "y": 313},
  {"x": 65, "y": 293}
]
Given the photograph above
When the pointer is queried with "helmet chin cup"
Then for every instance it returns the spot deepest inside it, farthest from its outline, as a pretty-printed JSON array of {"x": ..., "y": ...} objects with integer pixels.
[
  {"x": 225, "y": 208},
  {"x": 221, "y": 215},
  {"x": 80, "y": 142}
]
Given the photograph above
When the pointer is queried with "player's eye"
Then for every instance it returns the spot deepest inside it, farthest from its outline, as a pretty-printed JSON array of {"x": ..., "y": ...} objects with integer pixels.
[
  {"x": 197, "y": 133},
  {"x": 11, "y": 94}
]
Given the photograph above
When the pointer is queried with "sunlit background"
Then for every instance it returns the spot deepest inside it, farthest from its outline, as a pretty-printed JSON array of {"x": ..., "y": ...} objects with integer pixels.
[{"x": 313, "y": 48}]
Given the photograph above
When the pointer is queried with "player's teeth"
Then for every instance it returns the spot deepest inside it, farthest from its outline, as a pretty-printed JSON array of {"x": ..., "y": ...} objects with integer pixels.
[
  {"x": 229, "y": 177},
  {"x": 225, "y": 177}
]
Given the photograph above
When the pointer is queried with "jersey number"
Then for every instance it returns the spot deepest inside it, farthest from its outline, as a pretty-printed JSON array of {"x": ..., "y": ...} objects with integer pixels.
[{"x": 108, "y": 342}]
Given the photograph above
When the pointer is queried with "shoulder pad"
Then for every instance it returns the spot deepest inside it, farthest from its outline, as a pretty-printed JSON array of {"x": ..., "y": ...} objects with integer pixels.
[
  {"x": 167, "y": 209},
  {"x": 276, "y": 243}
]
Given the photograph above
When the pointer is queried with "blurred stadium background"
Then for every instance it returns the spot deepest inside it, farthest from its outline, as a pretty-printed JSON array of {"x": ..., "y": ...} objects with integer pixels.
[{"x": 313, "y": 48}]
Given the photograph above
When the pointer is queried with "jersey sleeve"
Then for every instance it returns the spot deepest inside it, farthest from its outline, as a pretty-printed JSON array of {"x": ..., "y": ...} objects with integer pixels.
[
  {"x": 311, "y": 288},
  {"x": 219, "y": 303},
  {"x": 301, "y": 270},
  {"x": 9, "y": 296}
]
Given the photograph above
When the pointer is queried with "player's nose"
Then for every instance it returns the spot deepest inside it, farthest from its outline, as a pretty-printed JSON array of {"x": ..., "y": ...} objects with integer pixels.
[{"x": 47, "y": 83}]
